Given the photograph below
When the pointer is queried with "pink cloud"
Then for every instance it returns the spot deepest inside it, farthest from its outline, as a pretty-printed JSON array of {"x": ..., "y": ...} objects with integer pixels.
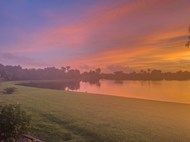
[
  {"x": 135, "y": 34},
  {"x": 76, "y": 35},
  {"x": 21, "y": 60}
]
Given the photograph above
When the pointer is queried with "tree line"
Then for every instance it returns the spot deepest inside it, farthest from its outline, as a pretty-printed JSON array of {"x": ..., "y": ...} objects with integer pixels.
[
  {"x": 148, "y": 75},
  {"x": 10, "y": 73}
]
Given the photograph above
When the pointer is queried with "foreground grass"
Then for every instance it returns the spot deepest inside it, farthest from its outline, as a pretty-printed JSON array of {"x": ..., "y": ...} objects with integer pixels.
[{"x": 78, "y": 117}]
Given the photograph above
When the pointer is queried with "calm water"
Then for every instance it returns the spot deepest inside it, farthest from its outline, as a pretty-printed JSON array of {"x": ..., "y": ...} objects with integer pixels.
[{"x": 173, "y": 91}]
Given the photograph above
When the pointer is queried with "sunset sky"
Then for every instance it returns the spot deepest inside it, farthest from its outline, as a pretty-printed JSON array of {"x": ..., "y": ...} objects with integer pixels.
[{"x": 86, "y": 34}]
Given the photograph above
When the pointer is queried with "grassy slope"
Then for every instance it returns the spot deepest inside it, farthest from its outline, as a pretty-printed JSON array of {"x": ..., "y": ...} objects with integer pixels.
[{"x": 79, "y": 117}]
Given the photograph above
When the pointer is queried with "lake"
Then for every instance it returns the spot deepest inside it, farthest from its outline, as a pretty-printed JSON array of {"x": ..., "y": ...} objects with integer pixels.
[{"x": 172, "y": 91}]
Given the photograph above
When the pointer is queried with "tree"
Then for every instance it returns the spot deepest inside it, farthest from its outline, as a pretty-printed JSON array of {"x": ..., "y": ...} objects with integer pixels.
[
  {"x": 98, "y": 70},
  {"x": 14, "y": 122},
  {"x": 149, "y": 70},
  {"x": 63, "y": 69},
  {"x": 119, "y": 75},
  {"x": 68, "y": 68},
  {"x": 188, "y": 43}
]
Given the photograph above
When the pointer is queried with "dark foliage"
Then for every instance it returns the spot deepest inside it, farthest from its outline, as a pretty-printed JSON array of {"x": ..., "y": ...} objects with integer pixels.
[
  {"x": 49, "y": 73},
  {"x": 148, "y": 75},
  {"x": 14, "y": 122},
  {"x": 52, "y": 73},
  {"x": 9, "y": 90}
]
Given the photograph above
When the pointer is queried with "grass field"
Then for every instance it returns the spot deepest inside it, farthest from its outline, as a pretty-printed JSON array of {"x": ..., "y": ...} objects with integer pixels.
[{"x": 79, "y": 117}]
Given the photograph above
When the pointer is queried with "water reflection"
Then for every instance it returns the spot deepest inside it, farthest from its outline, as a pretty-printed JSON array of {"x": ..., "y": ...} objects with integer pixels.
[
  {"x": 118, "y": 81},
  {"x": 60, "y": 85},
  {"x": 172, "y": 91},
  {"x": 92, "y": 82}
]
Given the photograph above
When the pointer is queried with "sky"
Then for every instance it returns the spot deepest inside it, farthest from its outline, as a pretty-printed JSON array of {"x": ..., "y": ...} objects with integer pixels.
[{"x": 126, "y": 35}]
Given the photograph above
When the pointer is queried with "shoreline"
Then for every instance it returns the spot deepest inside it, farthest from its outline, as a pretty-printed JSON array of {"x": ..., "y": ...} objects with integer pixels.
[{"x": 91, "y": 93}]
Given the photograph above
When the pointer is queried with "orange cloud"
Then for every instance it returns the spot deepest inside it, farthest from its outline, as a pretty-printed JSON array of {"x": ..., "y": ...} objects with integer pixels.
[{"x": 139, "y": 34}]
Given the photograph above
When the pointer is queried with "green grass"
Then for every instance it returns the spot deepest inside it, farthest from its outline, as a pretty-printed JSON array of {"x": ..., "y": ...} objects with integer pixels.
[{"x": 78, "y": 117}]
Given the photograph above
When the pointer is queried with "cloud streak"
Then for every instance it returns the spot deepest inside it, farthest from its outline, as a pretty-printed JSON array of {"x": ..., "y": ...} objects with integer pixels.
[
  {"x": 20, "y": 60},
  {"x": 135, "y": 34}
]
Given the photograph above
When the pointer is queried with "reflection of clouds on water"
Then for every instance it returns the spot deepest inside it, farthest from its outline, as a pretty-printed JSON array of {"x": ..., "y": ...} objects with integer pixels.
[
  {"x": 172, "y": 91},
  {"x": 118, "y": 82}
]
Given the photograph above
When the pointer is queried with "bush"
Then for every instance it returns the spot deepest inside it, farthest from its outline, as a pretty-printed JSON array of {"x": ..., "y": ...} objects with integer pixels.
[
  {"x": 9, "y": 90},
  {"x": 14, "y": 122}
]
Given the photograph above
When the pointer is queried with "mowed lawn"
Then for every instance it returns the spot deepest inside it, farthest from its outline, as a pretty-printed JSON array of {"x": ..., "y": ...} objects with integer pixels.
[{"x": 80, "y": 117}]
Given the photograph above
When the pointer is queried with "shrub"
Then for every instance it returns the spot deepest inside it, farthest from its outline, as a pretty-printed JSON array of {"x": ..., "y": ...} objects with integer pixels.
[
  {"x": 14, "y": 122},
  {"x": 9, "y": 90}
]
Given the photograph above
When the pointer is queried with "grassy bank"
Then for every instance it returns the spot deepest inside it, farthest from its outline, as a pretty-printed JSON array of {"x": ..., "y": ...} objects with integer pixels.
[{"x": 79, "y": 117}]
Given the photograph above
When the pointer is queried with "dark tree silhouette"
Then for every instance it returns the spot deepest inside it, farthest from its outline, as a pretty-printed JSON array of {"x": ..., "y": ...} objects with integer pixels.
[
  {"x": 14, "y": 122},
  {"x": 11, "y": 73},
  {"x": 188, "y": 43}
]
